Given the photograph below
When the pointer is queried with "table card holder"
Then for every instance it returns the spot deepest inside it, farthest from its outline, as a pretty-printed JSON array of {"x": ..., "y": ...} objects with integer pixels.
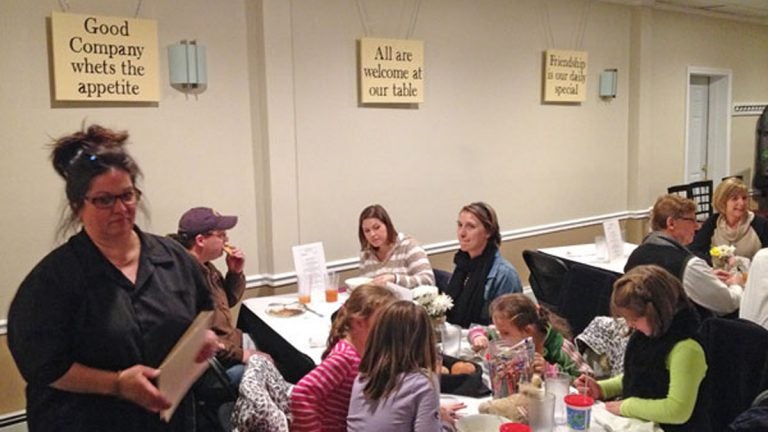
[
  {"x": 613, "y": 239},
  {"x": 309, "y": 261}
]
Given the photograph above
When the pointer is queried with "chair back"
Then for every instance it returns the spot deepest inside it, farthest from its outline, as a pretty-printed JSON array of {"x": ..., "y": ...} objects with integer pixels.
[
  {"x": 547, "y": 273},
  {"x": 586, "y": 294},
  {"x": 442, "y": 278},
  {"x": 737, "y": 361},
  {"x": 700, "y": 192}
]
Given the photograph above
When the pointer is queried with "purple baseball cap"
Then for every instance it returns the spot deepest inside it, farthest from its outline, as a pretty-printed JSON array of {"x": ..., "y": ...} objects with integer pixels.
[{"x": 200, "y": 220}]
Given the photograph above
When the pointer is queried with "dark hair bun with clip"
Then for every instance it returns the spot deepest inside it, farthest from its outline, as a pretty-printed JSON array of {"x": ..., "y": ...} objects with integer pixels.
[{"x": 69, "y": 150}]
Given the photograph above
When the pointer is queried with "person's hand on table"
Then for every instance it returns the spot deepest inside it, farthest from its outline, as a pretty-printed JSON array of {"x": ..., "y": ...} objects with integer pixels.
[
  {"x": 448, "y": 411},
  {"x": 134, "y": 385},
  {"x": 235, "y": 260},
  {"x": 587, "y": 385},
  {"x": 614, "y": 407},
  {"x": 479, "y": 343},
  {"x": 383, "y": 279}
]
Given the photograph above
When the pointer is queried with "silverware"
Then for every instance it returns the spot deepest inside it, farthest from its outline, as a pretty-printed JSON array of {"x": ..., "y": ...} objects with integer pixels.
[{"x": 308, "y": 309}]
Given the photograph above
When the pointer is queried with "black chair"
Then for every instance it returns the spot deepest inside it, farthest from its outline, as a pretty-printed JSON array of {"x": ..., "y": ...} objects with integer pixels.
[
  {"x": 737, "y": 361},
  {"x": 547, "y": 273},
  {"x": 586, "y": 294},
  {"x": 700, "y": 192},
  {"x": 214, "y": 396}
]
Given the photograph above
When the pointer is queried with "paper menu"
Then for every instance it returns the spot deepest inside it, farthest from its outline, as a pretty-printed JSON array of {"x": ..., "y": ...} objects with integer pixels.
[
  {"x": 179, "y": 370},
  {"x": 613, "y": 239},
  {"x": 309, "y": 261}
]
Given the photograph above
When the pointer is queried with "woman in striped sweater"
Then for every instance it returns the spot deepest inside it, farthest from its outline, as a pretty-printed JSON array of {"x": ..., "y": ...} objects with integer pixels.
[
  {"x": 388, "y": 256},
  {"x": 320, "y": 400}
]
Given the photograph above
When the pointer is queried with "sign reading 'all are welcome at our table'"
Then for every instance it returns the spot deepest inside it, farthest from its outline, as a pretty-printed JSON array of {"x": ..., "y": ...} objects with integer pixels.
[
  {"x": 97, "y": 58},
  {"x": 391, "y": 71}
]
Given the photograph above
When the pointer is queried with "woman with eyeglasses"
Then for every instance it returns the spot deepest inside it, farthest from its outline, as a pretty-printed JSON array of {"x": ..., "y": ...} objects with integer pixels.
[
  {"x": 94, "y": 319},
  {"x": 481, "y": 273}
]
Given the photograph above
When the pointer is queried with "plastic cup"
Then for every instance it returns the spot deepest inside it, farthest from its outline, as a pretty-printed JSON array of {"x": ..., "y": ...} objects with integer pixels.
[
  {"x": 332, "y": 287},
  {"x": 541, "y": 413},
  {"x": 578, "y": 412},
  {"x": 305, "y": 288},
  {"x": 558, "y": 385}
]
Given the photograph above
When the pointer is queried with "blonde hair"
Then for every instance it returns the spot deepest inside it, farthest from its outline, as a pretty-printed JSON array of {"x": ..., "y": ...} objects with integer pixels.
[
  {"x": 727, "y": 189},
  {"x": 364, "y": 301},
  {"x": 520, "y": 311},
  {"x": 650, "y": 291},
  {"x": 402, "y": 341}
]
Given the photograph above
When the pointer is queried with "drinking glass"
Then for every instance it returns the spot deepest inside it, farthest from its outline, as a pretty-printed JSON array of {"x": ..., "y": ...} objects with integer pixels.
[
  {"x": 332, "y": 287},
  {"x": 558, "y": 385}
]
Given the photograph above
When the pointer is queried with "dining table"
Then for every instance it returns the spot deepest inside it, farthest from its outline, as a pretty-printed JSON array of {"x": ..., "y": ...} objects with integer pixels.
[
  {"x": 307, "y": 331},
  {"x": 587, "y": 254}
]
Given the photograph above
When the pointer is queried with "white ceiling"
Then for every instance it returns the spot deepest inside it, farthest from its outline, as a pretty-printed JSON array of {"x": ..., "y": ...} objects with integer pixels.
[{"x": 745, "y": 10}]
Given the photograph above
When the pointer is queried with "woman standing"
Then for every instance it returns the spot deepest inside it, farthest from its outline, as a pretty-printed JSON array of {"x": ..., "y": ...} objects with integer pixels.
[
  {"x": 733, "y": 224},
  {"x": 481, "y": 273},
  {"x": 390, "y": 257},
  {"x": 94, "y": 319}
]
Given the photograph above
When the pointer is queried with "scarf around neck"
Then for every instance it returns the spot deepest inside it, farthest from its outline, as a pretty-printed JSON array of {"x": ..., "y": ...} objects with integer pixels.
[{"x": 467, "y": 286}]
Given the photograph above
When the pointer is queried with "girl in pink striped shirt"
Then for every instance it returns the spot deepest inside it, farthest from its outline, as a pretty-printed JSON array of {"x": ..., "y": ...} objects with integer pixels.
[{"x": 319, "y": 402}]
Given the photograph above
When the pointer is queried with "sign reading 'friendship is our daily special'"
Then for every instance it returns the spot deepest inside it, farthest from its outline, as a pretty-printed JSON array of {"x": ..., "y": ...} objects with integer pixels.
[
  {"x": 565, "y": 76},
  {"x": 97, "y": 58},
  {"x": 391, "y": 71}
]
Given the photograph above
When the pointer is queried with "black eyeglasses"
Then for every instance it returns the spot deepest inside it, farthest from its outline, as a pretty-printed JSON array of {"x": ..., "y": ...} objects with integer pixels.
[
  {"x": 689, "y": 219},
  {"x": 106, "y": 201}
]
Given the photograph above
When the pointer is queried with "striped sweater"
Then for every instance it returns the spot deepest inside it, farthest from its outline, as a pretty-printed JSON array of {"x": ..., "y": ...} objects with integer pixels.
[
  {"x": 407, "y": 261},
  {"x": 320, "y": 401}
]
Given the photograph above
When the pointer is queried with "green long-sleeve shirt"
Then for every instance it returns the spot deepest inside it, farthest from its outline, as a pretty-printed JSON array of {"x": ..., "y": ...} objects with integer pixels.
[{"x": 687, "y": 367}]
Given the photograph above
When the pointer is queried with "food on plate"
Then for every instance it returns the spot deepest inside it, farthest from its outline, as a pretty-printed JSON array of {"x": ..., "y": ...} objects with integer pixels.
[
  {"x": 444, "y": 370},
  {"x": 284, "y": 311},
  {"x": 462, "y": 367}
]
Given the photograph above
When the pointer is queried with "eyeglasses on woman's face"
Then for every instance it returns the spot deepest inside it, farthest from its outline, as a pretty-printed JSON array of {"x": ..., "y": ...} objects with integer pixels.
[{"x": 108, "y": 200}]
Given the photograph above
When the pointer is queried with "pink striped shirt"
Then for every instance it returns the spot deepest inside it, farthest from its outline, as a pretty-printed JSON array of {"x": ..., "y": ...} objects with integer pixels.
[{"x": 320, "y": 401}]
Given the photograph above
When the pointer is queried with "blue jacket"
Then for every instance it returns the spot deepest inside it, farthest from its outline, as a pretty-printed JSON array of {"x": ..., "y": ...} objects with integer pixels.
[{"x": 501, "y": 279}]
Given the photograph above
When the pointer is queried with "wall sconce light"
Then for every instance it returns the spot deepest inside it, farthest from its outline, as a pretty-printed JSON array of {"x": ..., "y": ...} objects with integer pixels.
[
  {"x": 608, "y": 80},
  {"x": 186, "y": 62}
]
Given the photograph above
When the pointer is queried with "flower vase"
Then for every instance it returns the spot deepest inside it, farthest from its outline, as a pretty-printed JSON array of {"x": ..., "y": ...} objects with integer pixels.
[{"x": 438, "y": 323}]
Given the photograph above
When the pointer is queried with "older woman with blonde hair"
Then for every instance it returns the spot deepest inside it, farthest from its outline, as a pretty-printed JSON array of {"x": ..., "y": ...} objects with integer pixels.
[{"x": 733, "y": 224}]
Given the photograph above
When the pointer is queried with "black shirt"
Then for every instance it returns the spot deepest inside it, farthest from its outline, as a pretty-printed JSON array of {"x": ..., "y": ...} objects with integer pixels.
[{"x": 76, "y": 307}]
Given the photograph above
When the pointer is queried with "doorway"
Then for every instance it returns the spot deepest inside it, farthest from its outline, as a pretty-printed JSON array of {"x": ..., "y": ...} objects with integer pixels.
[{"x": 708, "y": 124}]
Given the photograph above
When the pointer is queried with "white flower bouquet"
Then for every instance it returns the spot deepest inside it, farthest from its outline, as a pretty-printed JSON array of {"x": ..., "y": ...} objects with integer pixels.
[
  {"x": 722, "y": 256},
  {"x": 436, "y": 303}
]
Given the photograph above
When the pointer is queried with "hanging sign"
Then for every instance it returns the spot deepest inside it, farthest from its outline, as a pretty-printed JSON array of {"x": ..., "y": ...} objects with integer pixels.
[
  {"x": 565, "y": 76},
  {"x": 391, "y": 71},
  {"x": 97, "y": 58}
]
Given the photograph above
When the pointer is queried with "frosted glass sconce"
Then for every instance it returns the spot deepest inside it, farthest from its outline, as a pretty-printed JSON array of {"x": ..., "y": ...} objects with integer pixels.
[{"x": 186, "y": 62}]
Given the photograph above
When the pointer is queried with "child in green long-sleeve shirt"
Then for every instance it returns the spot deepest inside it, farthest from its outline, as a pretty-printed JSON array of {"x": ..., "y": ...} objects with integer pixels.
[{"x": 664, "y": 364}]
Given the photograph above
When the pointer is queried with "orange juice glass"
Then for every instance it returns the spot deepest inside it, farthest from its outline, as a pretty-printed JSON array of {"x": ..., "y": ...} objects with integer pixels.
[
  {"x": 332, "y": 295},
  {"x": 305, "y": 298}
]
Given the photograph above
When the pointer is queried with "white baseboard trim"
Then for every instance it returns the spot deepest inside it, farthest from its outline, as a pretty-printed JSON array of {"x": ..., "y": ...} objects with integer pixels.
[{"x": 287, "y": 278}]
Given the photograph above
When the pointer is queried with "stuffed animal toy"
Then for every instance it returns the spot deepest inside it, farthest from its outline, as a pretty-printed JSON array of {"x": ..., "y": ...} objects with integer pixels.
[{"x": 514, "y": 406}]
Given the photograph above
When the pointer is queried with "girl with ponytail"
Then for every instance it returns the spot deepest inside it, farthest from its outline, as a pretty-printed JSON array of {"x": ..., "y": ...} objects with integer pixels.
[
  {"x": 516, "y": 317},
  {"x": 319, "y": 402}
]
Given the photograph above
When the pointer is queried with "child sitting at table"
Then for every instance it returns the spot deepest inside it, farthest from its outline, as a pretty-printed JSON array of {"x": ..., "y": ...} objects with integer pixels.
[
  {"x": 319, "y": 401},
  {"x": 398, "y": 388},
  {"x": 516, "y": 317},
  {"x": 665, "y": 364}
]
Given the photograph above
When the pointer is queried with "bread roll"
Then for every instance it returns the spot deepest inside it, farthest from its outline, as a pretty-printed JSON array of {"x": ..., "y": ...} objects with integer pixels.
[{"x": 461, "y": 367}]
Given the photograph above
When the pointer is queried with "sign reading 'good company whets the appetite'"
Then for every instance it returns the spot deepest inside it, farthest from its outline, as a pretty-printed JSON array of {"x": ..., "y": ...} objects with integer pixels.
[{"x": 97, "y": 58}]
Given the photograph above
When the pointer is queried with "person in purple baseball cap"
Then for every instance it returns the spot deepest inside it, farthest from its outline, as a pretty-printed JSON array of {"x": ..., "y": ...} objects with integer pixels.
[{"x": 203, "y": 232}]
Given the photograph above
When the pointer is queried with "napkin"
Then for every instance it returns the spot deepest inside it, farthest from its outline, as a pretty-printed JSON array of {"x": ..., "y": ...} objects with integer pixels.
[{"x": 611, "y": 422}]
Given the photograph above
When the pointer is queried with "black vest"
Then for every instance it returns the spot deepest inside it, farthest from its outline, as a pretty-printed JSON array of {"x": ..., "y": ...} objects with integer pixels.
[
  {"x": 670, "y": 256},
  {"x": 646, "y": 375}
]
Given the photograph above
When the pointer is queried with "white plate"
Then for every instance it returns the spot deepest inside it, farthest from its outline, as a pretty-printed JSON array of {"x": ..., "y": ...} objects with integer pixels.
[
  {"x": 480, "y": 423},
  {"x": 355, "y": 282}
]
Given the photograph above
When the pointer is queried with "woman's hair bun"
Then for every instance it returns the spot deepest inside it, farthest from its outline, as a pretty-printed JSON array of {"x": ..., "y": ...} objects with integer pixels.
[{"x": 95, "y": 140}]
